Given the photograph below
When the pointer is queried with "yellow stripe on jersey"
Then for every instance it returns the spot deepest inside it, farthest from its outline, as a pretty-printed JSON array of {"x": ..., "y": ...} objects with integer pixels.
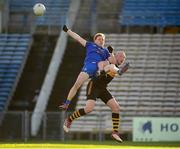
[
  {"x": 90, "y": 87},
  {"x": 112, "y": 74},
  {"x": 115, "y": 119},
  {"x": 78, "y": 113}
]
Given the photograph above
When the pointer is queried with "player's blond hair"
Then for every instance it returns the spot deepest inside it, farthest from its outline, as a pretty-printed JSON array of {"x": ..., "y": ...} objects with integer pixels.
[{"x": 97, "y": 35}]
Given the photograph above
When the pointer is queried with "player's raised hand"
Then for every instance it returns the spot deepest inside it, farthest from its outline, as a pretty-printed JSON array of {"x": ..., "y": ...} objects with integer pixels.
[
  {"x": 64, "y": 106},
  {"x": 65, "y": 28},
  {"x": 110, "y": 49}
]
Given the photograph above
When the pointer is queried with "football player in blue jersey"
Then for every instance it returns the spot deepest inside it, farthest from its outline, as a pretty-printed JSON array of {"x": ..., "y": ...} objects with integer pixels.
[{"x": 95, "y": 53}]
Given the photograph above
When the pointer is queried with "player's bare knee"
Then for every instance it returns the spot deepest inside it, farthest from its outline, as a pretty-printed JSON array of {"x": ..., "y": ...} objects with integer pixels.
[{"x": 116, "y": 108}]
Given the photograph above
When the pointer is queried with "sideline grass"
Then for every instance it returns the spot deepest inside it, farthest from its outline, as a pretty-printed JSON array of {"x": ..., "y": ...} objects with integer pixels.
[{"x": 90, "y": 145}]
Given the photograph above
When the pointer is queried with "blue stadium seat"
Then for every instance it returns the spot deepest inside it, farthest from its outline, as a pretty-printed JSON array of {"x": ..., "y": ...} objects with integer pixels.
[
  {"x": 55, "y": 15},
  {"x": 4, "y": 94},
  {"x": 21, "y": 6},
  {"x": 12, "y": 55},
  {"x": 150, "y": 12},
  {"x": 4, "y": 61},
  {"x": 8, "y": 75}
]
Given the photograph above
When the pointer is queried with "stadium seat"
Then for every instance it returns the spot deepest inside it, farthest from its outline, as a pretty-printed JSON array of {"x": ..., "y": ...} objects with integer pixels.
[
  {"x": 11, "y": 61},
  {"x": 56, "y": 12},
  {"x": 152, "y": 13}
]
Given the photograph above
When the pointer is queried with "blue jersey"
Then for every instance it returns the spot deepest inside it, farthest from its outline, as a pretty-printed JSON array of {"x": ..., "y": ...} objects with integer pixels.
[{"x": 94, "y": 54}]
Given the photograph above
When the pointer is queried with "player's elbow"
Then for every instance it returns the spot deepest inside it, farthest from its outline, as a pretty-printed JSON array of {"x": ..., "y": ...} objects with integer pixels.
[{"x": 81, "y": 41}]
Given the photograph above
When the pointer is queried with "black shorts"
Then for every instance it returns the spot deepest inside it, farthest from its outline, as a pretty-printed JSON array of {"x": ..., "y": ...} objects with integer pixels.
[{"x": 94, "y": 91}]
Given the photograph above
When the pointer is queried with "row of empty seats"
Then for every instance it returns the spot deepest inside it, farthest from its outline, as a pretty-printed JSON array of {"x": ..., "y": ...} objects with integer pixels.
[
  {"x": 56, "y": 10},
  {"x": 13, "y": 51},
  {"x": 151, "y": 87},
  {"x": 150, "y": 12},
  {"x": 21, "y": 5}
]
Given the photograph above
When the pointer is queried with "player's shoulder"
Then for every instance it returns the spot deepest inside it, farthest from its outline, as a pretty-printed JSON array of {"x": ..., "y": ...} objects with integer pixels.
[
  {"x": 106, "y": 49},
  {"x": 91, "y": 45}
]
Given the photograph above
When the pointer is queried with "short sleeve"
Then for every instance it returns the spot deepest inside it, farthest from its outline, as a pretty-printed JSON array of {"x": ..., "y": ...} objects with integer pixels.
[
  {"x": 107, "y": 54},
  {"x": 88, "y": 44}
]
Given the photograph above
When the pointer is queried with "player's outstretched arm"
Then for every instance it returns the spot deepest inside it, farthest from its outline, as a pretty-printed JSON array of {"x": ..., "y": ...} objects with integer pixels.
[
  {"x": 113, "y": 69},
  {"x": 124, "y": 68},
  {"x": 75, "y": 36}
]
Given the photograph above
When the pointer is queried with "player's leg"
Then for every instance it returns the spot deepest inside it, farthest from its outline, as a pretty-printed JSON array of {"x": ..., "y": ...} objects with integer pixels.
[
  {"x": 82, "y": 77},
  {"x": 68, "y": 121},
  {"x": 109, "y": 100},
  {"x": 90, "y": 103},
  {"x": 89, "y": 70},
  {"x": 78, "y": 113},
  {"x": 113, "y": 104}
]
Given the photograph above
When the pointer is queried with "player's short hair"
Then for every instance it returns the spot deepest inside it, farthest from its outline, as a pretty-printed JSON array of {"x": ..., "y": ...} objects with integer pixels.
[{"x": 97, "y": 35}]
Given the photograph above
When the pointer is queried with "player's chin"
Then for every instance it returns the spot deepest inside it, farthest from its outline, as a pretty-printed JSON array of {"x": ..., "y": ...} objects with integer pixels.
[
  {"x": 120, "y": 63},
  {"x": 101, "y": 44}
]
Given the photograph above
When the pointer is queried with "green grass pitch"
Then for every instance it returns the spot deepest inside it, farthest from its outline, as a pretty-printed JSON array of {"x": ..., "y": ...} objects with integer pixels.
[{"x": 89, "y": 145}]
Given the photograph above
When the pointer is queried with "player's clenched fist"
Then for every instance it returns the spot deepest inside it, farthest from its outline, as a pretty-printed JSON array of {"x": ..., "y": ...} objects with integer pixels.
[
  {"x": 65, "y": 29},
  {"x": 64, "y": 106}
]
